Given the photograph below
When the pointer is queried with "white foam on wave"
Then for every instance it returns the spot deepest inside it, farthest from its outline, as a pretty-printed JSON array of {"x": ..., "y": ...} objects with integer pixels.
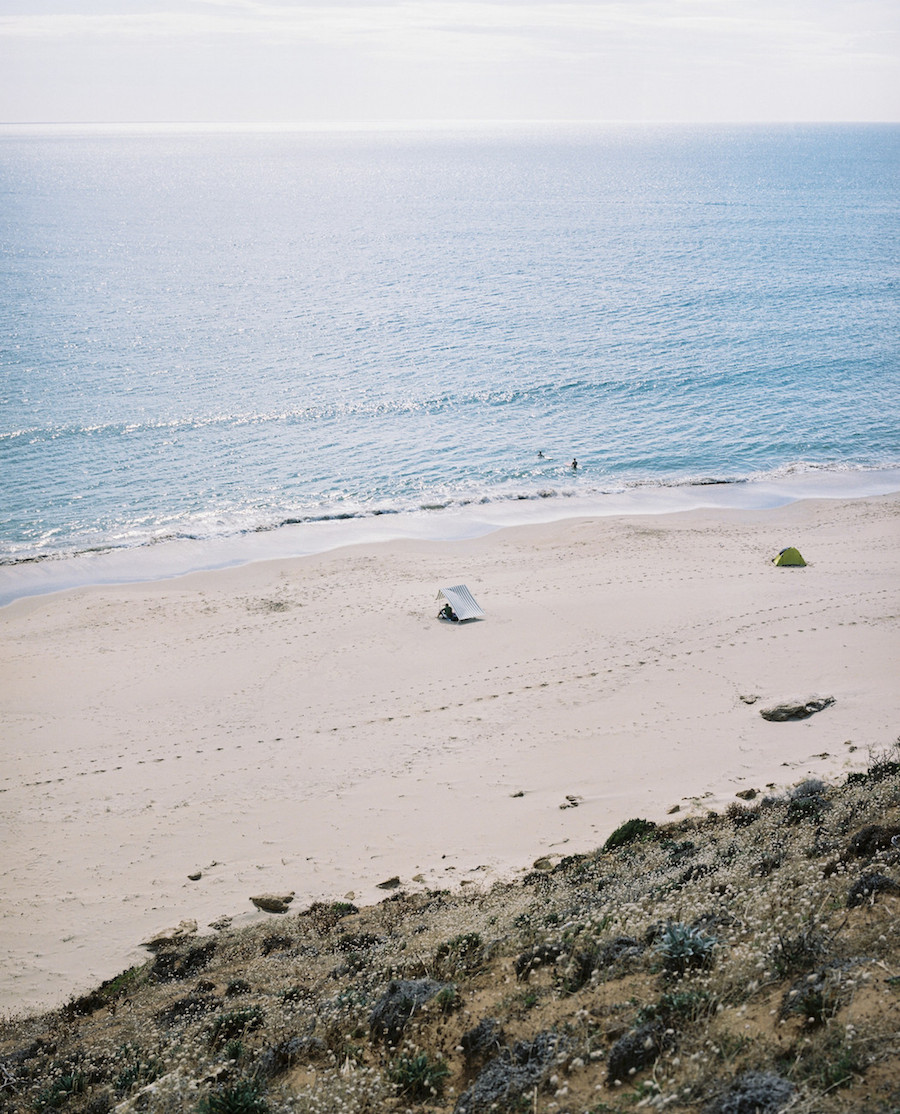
[{"x": 178, "y": 556}]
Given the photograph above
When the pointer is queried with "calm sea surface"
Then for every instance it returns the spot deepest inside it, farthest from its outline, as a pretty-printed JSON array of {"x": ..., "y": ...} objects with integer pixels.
[{"x": 211, "y": 335}]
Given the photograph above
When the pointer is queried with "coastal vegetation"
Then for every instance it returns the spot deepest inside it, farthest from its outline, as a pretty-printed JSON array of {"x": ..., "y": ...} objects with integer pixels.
[{"x": 741, "y": 963}]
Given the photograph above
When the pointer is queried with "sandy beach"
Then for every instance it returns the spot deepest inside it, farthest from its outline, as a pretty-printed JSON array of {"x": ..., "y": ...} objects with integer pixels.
[{"x": 308, "y": 725}]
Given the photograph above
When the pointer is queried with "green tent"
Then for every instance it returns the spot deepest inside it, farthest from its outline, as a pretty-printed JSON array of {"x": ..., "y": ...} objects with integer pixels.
[{"x": 789, "y": 556}]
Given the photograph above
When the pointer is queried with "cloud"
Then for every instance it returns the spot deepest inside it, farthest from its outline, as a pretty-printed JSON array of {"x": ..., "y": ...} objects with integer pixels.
[
  {"x": 588, "y": 57},
  {"x": 481, "y": 30},
  {"x": 825, "y": 23}
]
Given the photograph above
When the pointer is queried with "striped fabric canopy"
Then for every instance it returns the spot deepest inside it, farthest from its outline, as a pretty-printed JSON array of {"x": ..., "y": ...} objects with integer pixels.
[{"x": 462, "y": 602}]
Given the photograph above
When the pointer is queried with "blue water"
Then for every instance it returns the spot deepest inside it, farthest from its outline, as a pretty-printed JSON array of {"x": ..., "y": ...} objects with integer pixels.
[{"x": 207, "y": 334}]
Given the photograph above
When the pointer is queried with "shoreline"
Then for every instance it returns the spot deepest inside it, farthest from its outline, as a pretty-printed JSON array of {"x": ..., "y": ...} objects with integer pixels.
[
  {"x": 171, "y": 557},
  {"x": 305, "y": 724}
]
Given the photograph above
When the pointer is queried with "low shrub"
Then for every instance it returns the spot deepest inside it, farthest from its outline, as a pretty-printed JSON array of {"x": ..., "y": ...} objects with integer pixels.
[
  {"x": 629, "y": 832},
  {"x": 864, "y": 889},
  {"x": 243, "y": 1097},
  {"x": 462, "y": 953},
  {"x": 815, "y": 997},
  {"x": 683, "y": 1006},
  {"x": 61, "y": 1090},
  {"x": 882, "y": 766},
  {"x": 418, "y": 1077},
  {"x": 447, "y": 1000},
  {"x": 684, "y": 948},
  {"x": 797, "y": 952},
  {"x": 136, "y": 1067},
  {"x": 227, "y": 1026},
  {"x": 806, "y": 809}
]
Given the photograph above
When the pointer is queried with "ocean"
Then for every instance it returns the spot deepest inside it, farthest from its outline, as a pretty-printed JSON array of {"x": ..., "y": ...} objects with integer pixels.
[{"x": 218, "y": 344}]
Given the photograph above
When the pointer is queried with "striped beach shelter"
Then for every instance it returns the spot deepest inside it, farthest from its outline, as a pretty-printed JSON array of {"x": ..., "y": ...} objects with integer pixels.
[{"x": 461, "y": 603}]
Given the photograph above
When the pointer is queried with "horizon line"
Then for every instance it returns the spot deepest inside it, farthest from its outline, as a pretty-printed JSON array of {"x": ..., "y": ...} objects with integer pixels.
[{"x": 427, "y": 123}]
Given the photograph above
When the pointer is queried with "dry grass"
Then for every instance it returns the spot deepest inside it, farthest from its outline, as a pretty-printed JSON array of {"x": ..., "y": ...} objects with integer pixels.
[{"x": 698, "y": 952}]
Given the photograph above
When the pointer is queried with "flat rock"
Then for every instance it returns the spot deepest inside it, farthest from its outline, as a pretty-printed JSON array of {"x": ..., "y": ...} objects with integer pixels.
[
  {"x": 796, "y": 709},
  {"x": 515, "y": 1073},
  {"x": 484, "y": 1041},
  {"x": 759, "y": 1091},
  {"x": 389, "y": 883},
  {"x": 169, "y": 936},
  {"x": 273, "y": 903},
  {"x": 636, "y": 1050},
  {"x": 399, "y": 1002}
]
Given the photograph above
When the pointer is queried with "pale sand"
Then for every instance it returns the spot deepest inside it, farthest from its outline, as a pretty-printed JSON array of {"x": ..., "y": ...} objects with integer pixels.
[{"x": 309, "y": 725}]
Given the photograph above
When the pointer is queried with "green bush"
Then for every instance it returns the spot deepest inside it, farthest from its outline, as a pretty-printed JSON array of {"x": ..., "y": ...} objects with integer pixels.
[
  {"x": 293, "y": 994},
  {"x": 243, "y": 1097},
  {"x": 683, "y": 1005},
  {"x": 418, "y": 1077},
  {"x": 61, "y": 1090},
  {"x": 343, "y": 908},
  {"x": 447, "y": 999},
  {"x": 462, "y": 953},
  {"x": 234, "y": 1050},
  {"x": 806, "y": 809},
  {"x": 629, "y": 832}
]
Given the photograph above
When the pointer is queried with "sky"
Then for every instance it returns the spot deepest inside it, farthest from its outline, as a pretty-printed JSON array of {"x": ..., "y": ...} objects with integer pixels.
[{"x": 378, "y": 61}]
